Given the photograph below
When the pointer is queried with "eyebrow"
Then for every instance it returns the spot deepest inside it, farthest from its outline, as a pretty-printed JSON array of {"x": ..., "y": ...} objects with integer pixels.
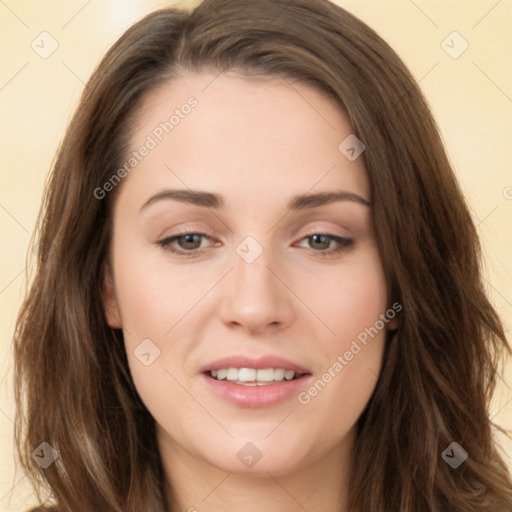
[{"x": 215, "y": 201}]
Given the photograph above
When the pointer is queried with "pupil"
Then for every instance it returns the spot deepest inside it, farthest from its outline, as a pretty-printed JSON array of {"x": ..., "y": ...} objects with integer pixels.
[
  {"x": 189, "y": 239},
  {"x": 318, "y": 238}
]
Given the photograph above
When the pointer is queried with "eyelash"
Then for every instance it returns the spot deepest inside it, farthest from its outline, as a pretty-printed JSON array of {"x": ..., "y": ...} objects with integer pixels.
[{"x": 344, "y": 244}]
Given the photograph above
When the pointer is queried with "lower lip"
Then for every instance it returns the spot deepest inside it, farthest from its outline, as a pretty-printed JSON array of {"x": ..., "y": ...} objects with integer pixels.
[{"x": 256, "y": 396}]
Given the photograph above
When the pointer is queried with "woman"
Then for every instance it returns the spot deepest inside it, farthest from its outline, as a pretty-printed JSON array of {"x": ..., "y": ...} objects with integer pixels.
[{"x": 193, "y": 348}]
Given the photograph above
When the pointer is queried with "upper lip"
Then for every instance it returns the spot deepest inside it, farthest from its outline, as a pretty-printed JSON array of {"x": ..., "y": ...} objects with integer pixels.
[{"x": 241, "y": 361}]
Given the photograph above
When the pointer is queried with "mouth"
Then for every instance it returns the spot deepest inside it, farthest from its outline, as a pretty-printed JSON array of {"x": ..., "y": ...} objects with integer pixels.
[
  {"x": 254, "y": 376},
  {"x": 255, "y": 383}
]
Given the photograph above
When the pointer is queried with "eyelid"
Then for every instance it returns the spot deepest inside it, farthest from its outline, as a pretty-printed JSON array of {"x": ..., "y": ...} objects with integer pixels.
[{"x": 322, "y": 231}]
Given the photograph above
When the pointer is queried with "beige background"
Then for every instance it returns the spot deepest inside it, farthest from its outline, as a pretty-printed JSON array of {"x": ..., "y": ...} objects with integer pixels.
[{"x": 471, "y": 97}]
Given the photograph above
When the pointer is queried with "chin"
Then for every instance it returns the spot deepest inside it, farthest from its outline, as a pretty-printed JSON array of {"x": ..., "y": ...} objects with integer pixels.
[{"x": 256, "y": 455}]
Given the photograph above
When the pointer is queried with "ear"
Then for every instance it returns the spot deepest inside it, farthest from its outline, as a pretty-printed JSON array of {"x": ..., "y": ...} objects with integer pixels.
[
  {"x": 395, "y": 321},
  {"x": 110, "y": 304}
]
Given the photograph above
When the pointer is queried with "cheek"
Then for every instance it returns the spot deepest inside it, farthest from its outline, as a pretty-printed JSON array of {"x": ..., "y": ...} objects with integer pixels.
[
  {"x": 352, "y": 300},
  {"x": 151, "y": 302},
  {"x": 154, "y": 296},
  {"x": 353, "y": 306}
]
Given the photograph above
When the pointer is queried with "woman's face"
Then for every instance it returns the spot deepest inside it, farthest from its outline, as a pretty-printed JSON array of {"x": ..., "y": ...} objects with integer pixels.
[{"x": 243, "y": 239}]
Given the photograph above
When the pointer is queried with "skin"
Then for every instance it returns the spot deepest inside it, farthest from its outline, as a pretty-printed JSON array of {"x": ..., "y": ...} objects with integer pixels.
[{"x": 257, "y": 143}]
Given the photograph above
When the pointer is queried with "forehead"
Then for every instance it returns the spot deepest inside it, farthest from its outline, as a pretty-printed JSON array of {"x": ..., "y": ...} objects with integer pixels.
[{"x": 269, "y": 137}]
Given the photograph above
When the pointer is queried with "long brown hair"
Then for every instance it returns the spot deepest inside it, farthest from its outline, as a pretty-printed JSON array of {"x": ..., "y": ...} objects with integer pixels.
[{"x": 73, "y": 387}]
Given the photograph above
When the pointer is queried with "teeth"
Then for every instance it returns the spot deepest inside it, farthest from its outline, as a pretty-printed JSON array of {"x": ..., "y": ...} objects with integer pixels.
[
  {"x": 279, "y": 373},
  {"x": 243, "y": 375},
  {"x": 252, "y": 376},
  {"x": 233, "y": 374},
  {"x": 266, "y": 375},
  {"x": 288, "y": 374}
]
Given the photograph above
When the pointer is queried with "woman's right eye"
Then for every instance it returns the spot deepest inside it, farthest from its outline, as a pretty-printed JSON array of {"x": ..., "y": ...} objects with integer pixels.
[{"x": 189, "y": 243}]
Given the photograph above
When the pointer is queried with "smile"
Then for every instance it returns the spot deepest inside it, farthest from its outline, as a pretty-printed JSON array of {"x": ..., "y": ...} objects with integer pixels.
[
  {"x": 254, "y": 376},
  {"x": 252, "y": 388}
]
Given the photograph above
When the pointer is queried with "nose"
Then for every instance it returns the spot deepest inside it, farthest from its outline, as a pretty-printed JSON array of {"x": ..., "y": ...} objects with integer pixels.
[{"x": 255, "y": 297}]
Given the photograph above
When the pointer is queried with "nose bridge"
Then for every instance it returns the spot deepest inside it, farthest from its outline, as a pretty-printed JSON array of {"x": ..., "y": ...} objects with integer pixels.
[
  {"x": 254, "y": 296},
  {"x": 251, "y": 276}
]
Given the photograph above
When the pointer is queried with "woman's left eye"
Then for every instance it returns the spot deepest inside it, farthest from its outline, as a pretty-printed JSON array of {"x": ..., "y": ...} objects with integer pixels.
[
  {"x": 323, "y": 241},
  {"x": 189, "y": 244}
]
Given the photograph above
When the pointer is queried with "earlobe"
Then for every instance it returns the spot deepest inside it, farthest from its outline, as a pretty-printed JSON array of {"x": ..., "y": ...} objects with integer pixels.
[
  {"x": 110, "y": 305},
  {"x": 394, "y": 314},
  {"x": 393, "y": 324}
]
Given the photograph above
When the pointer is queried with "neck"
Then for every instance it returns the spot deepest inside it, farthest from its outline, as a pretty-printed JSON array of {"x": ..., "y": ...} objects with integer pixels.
[{"x": 195, "y": 485}]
